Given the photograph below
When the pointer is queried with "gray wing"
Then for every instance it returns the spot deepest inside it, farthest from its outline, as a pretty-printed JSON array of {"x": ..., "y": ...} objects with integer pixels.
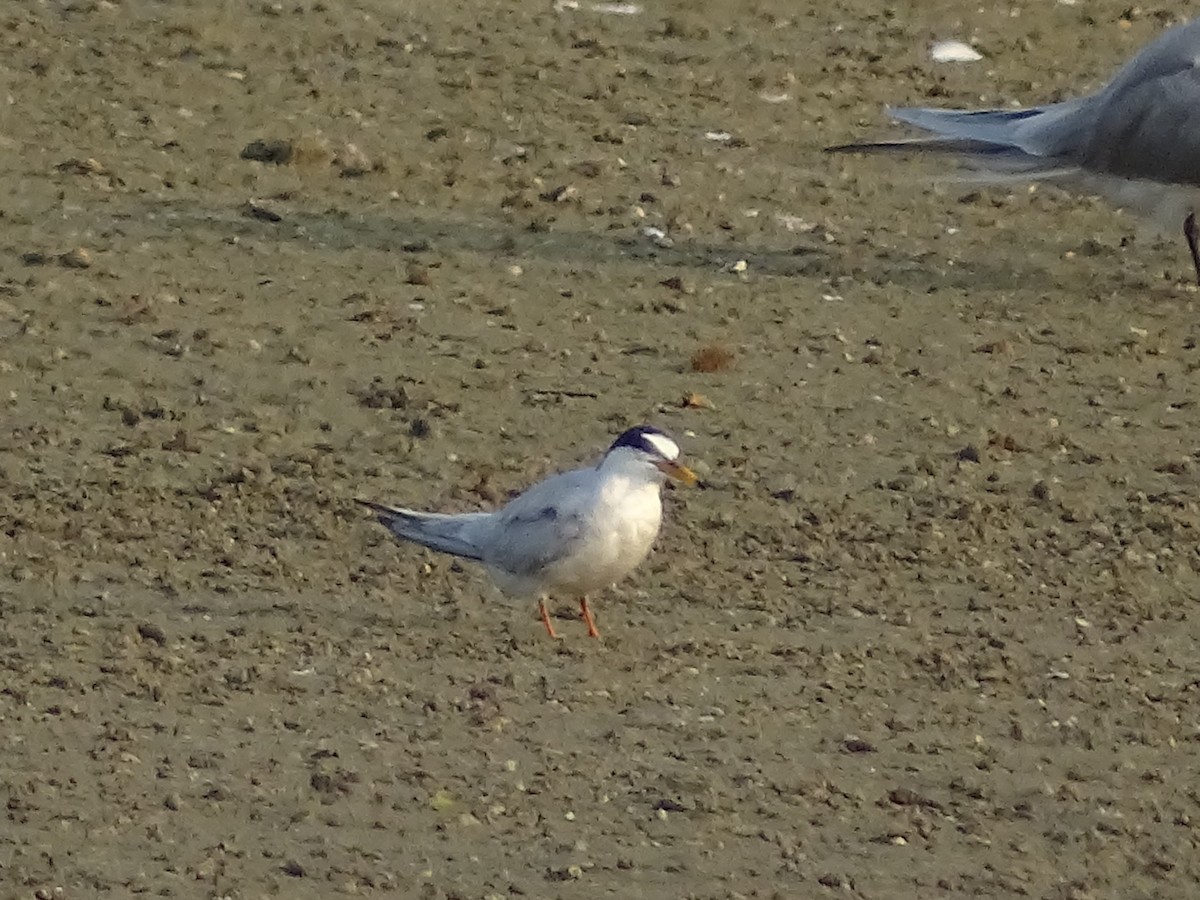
[
  {"x": 1172, "y": 52},
  {"x": 1149, "y": 129},
  {"x": 1039, "y": 142},
  {"x": 542, "y": 525},
  {"x": 1145, "y": 123},
  {"x": 1040, "y": 136}
]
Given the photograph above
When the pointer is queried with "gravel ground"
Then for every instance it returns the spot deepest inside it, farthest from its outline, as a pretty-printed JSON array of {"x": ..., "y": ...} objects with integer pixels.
[{"x": 925, "y": 631}]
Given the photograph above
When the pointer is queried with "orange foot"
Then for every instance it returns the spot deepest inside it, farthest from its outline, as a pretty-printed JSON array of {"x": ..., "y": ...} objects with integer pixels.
[
  {"x": 546, "y": 618},
  {"x": 587, "y": 617}
]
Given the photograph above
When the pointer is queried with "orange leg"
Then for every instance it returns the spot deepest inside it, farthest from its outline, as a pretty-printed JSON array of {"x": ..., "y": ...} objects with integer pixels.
[
  {"x": 587, "y": 617},
  {"x": 546, "y": 618}
]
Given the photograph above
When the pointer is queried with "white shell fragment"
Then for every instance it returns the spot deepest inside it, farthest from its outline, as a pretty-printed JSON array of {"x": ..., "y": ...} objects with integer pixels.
[
  {"x": 658, "y": 236},
  {"x": 954, "y": 51},
  {"x": 604, "y": 9},
  {"x": 616, "y": 9},
  {"x": 795, "y": 223}
]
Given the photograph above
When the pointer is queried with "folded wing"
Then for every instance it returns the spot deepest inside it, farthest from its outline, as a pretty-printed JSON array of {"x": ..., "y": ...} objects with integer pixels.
[{"x": 541, "y": 526}]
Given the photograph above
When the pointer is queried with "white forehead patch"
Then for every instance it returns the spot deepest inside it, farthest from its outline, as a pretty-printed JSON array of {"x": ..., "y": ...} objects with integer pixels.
[{"x": 663, "y": 445}]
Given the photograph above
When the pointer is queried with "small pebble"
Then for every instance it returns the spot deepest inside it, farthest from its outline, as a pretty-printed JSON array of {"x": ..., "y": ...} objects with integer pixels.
[
  {"x": 151, "y": 632},
  {"x": 276, "y": 152},
  {"x": 352, "y": 162},
  {"x": 293, "y": 869},
  {"x": 418, "y": 275},
  {"x": 79, "y": 258}
]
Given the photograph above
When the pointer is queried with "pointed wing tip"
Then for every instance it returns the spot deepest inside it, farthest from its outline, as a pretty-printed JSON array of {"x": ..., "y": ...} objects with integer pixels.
[{"x": 903, "y": 145}]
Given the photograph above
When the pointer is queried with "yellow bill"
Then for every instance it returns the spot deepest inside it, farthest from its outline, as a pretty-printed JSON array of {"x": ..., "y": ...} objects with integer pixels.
[{"x": 677, "y": 472}]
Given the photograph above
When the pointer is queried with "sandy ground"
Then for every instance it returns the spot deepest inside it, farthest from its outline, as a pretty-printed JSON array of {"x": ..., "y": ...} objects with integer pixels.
[{"x": 926, "y": 631}]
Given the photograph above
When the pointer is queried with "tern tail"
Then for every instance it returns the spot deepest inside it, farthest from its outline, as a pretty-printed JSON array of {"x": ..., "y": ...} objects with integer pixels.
[
  {"x": 437, "y": 531},
  {"x": 1037, "y": 143},
  {"x": 991, "y": 162}
]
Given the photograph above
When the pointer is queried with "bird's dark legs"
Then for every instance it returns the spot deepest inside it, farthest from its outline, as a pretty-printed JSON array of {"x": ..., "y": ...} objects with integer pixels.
[
  {"x": 1191, "y": 232},
  {"x": 546, "y": 617},
  {"x": 587, "y": 617}
]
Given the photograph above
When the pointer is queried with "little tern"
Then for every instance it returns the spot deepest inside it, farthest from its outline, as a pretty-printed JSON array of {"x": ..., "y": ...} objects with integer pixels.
[
  {"x": 1135, "y": 142},
  {"x": 575, "y": 532}
]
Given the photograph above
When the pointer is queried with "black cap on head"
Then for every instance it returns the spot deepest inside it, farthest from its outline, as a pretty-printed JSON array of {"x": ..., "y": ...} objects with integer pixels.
[{"x": 648, "y": 440}]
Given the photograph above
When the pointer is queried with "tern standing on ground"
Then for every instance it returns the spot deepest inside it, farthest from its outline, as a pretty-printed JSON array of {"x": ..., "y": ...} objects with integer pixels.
[
  {"x": 1135, "y": 142},
  {"x": 575, "y": 532}
]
